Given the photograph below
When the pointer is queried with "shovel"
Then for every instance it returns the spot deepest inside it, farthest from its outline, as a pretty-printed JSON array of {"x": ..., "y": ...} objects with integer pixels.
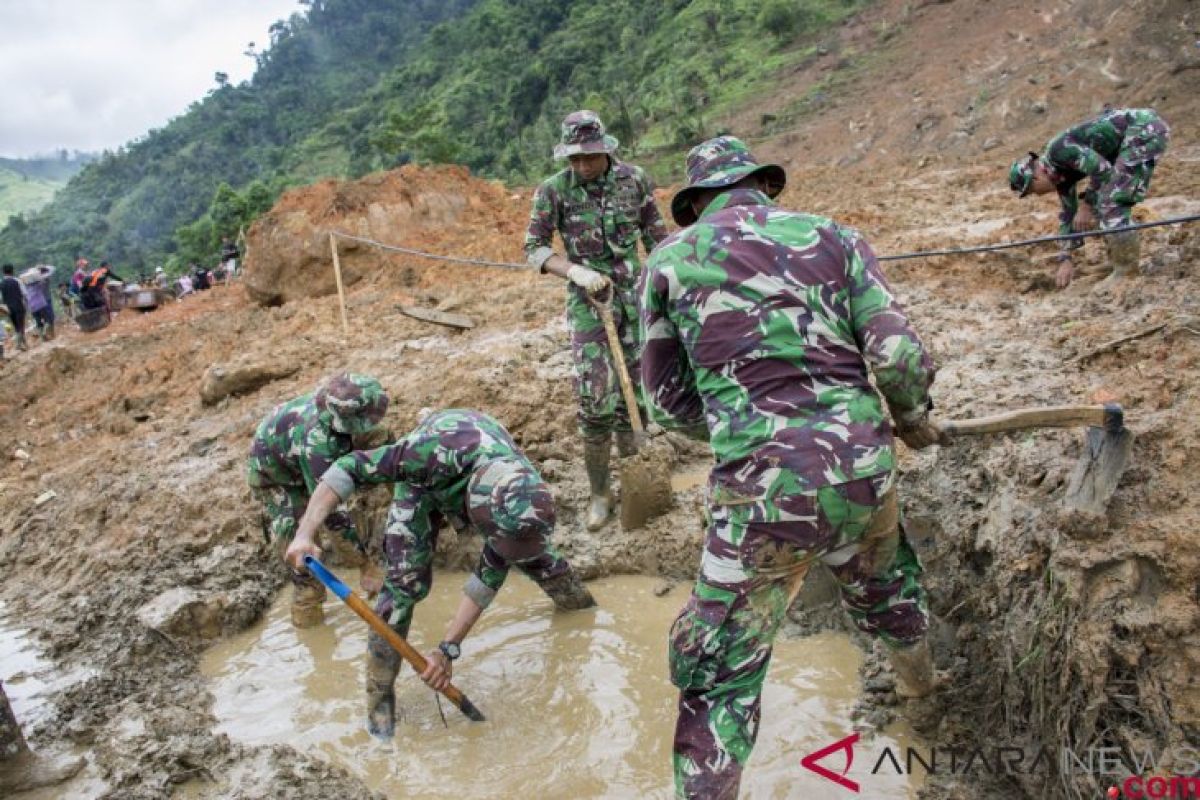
[
  {"x": 645, "y": 476},
  {"x": 1099, "y": 468},
  {"x": 406, "y": 650}
]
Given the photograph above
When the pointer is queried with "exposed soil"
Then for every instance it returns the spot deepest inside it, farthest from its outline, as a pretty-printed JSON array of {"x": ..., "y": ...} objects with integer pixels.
[{"x": 1058, "y": 629}]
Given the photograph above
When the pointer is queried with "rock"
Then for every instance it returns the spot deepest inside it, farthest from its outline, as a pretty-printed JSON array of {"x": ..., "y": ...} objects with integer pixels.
[
  {"x": 45, "y": 497},
  {"x": 221, "y": 381},
  {"x": 992, "y": 144},
  {"x": 185, "y": 612},
  {"x": 663, "y": 588},
  {"x": 20, "y": 455}
]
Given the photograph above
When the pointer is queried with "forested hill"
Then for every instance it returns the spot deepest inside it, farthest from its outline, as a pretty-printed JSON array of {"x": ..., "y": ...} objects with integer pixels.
[
  {"x": 27, "y": 184},
  {"x": 353, "y": 86}
]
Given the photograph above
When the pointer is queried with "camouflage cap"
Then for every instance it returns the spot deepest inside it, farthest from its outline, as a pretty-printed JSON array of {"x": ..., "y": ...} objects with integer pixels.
[
  {"x": 355, "y": 403},
  {"x": 1020, "y": 174},
  {"x": 583, "y": 132},
  {"x": 722, "y": 161},
  {"x": 508, "y": 498}
]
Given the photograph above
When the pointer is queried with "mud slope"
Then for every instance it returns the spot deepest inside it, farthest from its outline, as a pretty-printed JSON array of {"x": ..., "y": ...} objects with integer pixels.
[{"x": 1059, "y": 629}]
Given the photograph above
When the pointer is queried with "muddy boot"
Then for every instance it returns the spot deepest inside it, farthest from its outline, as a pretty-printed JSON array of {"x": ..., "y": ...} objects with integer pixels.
[
  {"x": 595, "y": 460},
  {"x": 383, "y": 665},
  {"x": 568, "y": 592},
  {"x": 1124, "y": 253},
  {"x": 307, "y": 596},
  {"x": 50, "y": 332},
  {"x": 20, "y": 768},
  {"x": 627, "y": 443},
  {"x": 916, "y": 681}
]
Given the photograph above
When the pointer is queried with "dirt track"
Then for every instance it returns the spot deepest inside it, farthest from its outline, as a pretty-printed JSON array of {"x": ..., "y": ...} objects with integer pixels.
[{"x": 1058, "y": 629}]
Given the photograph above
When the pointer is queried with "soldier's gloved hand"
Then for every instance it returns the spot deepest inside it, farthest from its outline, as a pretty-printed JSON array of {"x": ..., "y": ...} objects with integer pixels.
[
  {"x": 438, "y": 671},
  {"x": 916, "y": 430},
  {"x": 587, "y": 279}
]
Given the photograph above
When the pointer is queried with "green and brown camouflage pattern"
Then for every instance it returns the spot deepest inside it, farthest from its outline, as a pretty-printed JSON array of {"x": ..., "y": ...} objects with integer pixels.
[
  {"x": 583, "y": 132},
  {"x": 600, "y": 223},
  {"x": 718, "y": 162},
  {"x": 756, "y": 555}
]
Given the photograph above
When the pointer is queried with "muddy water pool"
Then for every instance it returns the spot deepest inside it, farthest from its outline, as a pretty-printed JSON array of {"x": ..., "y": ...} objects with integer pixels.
[{"x": 578, "y": 704}]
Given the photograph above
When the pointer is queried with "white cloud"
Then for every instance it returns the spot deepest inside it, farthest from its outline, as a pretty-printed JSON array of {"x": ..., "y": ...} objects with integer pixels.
[{"x": 94, "y": 74}]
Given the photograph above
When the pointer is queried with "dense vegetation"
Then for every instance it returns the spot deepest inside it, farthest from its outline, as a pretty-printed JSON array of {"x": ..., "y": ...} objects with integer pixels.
[{"x": 353, "y": 86}]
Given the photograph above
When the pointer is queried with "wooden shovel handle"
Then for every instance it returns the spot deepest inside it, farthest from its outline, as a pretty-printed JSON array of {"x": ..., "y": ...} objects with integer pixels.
[
  {"x": 1109, "y": 416},
  {"x": 618, "y": 358}
]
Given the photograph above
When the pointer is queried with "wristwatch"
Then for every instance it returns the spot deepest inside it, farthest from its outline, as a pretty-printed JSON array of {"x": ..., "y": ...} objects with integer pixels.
[{"x": 450, "y": 650}]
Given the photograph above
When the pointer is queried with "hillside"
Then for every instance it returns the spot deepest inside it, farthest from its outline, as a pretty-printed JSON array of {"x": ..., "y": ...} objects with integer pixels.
[
  {"x": 353, "y": 86},
  {"x": 27, "y": 184}
]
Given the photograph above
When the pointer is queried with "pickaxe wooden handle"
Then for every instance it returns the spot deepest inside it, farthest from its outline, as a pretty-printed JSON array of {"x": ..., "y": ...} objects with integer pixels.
[{"x": 1109, "y": 416}]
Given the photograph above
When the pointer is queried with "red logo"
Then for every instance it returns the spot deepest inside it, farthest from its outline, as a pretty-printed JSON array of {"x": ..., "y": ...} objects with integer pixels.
[{"x": 810, "y": 762}]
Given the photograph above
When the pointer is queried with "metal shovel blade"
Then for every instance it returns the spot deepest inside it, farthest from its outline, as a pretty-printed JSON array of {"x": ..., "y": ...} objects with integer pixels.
[
  {"x": 1099, "y": 469},
  {"x": 646, "y": 484}
]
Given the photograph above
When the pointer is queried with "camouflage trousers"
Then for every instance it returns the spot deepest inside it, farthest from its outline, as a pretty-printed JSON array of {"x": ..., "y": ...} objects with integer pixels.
[
  {"x": 1129, "y": 181},
  {"x": 756, "y": 555},
  {"x": 598, "y": 390}
]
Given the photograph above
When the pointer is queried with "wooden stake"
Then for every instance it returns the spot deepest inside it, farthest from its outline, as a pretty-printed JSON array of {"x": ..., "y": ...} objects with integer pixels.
[{"x": 337, "y": 274}]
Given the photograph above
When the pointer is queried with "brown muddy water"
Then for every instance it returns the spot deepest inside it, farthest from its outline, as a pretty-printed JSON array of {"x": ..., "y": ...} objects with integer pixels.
[{"x": 578, "y": 704}]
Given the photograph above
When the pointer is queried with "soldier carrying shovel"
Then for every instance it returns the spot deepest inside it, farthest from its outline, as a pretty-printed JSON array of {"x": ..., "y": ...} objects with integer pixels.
[
  {"x": 600, "y": 207},
  {"x": 460, "y": 467}
]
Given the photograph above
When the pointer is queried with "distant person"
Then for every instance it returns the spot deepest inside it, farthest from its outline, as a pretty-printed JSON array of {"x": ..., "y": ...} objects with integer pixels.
[
  {"x": 458, "y": 467},
  {"x": 41, "y": 303},
  {"x": 21, "y": 769},
  {"x": 1116, "y": 152},
  {"x": 601, "y": 208},
  {"x": 185, "y": 286},
  {"x": 767, "y": 324},
  {"x": 293, "y": 447},
  {"x": 95, "y": 287},
  {"x": 160, "y": 278},
  {"x": 229, "y": 257},
  {"x": 66, "y": 299},
  {"x": 79, "y": 276},
  {"x": 13, "y": 294},
  {"x": 200, "y": 279}
]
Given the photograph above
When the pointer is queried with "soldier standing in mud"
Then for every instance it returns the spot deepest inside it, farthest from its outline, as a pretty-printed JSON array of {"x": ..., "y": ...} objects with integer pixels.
[
  {"x": 293, "y": 447},
  {"x": 763, "y": 322},
  {"x": 1116, "y": 152},
  {"x": 600, "y": 207},
  {"x": 464, "y": 468}
]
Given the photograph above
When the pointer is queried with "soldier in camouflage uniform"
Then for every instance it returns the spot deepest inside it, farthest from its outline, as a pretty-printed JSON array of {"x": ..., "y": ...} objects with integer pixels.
[
  {"x": 1116, "y": 152},
  {"x": 460, "y": 467},
  {"x": 292, "y": 448},
  {"x": 763, "y": 322},
  {"x": 600, "y": 207}
]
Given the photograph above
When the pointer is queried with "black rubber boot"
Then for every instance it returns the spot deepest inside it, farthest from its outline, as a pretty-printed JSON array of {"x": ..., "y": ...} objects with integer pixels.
[{"x": 596, "y": 454}]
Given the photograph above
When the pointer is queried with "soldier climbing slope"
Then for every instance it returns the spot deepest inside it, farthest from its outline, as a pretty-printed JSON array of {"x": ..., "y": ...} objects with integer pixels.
[
  {"x": 1116, "y": 152},
  {"x": 763, "y": 323},
  {"x": 292, "y": 448},
  {"x": 600, "y": 207},
  {"x": 460, "y": 467}
]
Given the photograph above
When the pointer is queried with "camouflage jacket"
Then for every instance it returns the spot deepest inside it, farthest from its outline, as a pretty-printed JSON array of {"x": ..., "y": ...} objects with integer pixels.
[
  {"x": 431, "y": 469},
  {"x": 762, "y": 322},
  {"x": 1089, "y": 150},
  {"x": 293, "y": 447},
  {"x": 600, "y": 222}
]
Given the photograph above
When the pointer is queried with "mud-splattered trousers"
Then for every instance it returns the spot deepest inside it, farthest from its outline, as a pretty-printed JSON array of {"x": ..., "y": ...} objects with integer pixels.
[
  {"x": 1116, "y": 152},
  {"x": 600, "y": 223},
  {"x": 756, "y": 555}
]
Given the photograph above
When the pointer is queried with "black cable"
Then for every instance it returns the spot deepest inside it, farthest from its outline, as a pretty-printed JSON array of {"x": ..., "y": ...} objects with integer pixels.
[{"x": 1041, "y": 240}]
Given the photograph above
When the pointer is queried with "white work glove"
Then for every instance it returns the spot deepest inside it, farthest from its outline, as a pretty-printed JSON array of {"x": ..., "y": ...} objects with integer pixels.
[{"x": 589, "y": 280}]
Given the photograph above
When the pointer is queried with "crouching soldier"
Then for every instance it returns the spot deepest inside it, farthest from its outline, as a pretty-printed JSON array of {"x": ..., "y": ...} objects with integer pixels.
[
  {"x": 460, "y": 467},
  {"x": 292, "y": 448},
  {"x": 1116, "y": 152}
]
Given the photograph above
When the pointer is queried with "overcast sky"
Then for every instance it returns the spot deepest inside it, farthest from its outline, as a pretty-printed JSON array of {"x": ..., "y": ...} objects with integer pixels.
[{"x": 93, "y": 74}]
